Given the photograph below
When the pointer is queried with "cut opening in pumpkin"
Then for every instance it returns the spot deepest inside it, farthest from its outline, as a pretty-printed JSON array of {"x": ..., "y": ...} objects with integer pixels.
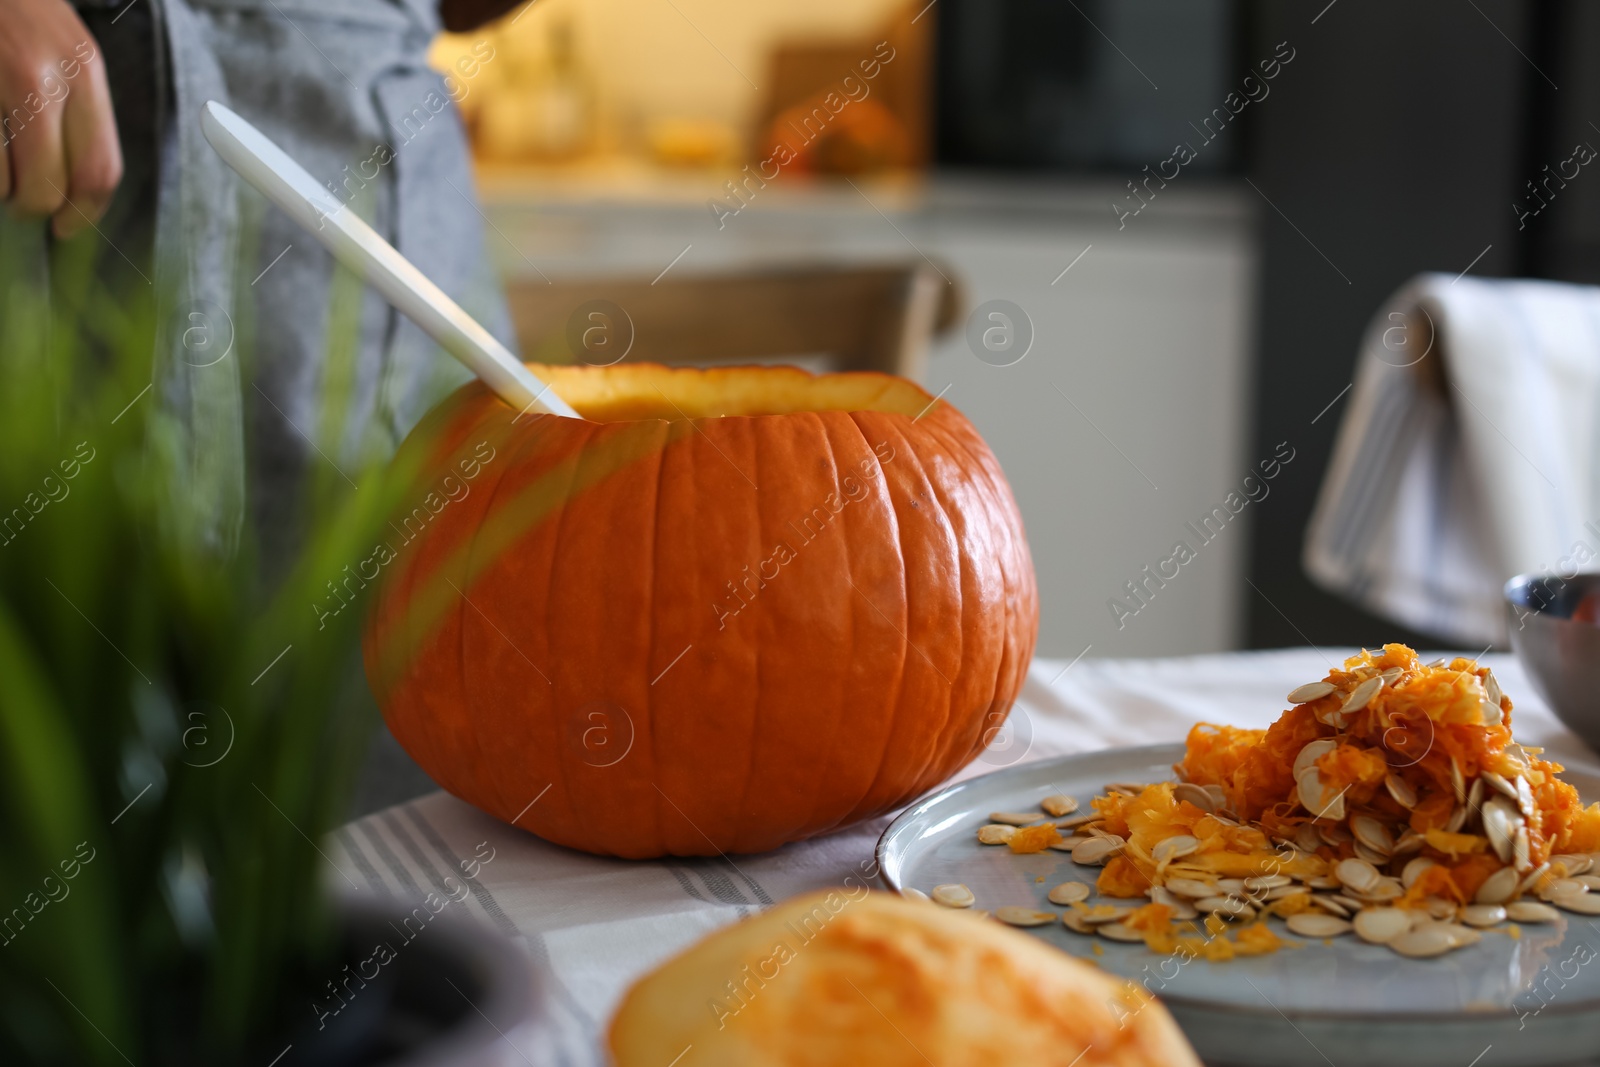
[{"x": 652, "y": 391}]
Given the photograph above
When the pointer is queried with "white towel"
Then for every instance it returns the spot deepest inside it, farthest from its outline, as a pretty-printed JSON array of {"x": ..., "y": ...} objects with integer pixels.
[{"x": 1462, "y": 463}]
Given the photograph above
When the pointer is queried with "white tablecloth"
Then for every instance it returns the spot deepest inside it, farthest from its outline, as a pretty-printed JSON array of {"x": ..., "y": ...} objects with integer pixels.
[{"x": 599, "y": 923}]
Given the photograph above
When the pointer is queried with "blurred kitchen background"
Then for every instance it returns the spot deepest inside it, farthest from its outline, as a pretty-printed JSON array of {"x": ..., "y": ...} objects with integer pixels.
[{"x": 1170, "y": 321}]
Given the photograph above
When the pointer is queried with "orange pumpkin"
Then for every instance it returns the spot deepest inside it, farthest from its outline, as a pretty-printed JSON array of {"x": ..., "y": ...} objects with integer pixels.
[{"x": 729, "y": 609}]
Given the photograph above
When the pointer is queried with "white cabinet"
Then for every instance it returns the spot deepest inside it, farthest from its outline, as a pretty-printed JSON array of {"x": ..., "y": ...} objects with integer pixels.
[{"x": 1123, "y": 426}]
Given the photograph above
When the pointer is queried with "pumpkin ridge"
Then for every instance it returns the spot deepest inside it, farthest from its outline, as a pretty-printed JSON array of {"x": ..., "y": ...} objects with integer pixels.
[
  {"x": 590, "y": 433},
  {"x": 893, "y": 706},
  {"x": 412, "y": 573},
  {"x": 655, "y": 573},
  {"x": 467, "y": 573},
  {"x": 902, "y": 667},
  {"x": 817, "y": 797},
  {"x": 936, "y": 750},
  {"x": 941, "y": 435},
  {"x": 754, "y": 748},
  {"x": 941, "y": 755}
]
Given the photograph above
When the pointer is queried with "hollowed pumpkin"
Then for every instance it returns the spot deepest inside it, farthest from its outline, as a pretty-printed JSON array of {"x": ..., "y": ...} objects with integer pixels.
[{"x": 734, "y": 608}]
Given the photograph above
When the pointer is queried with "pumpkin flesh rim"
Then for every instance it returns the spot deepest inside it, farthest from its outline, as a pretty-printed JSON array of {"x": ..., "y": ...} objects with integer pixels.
[{"x": 645, "y": 392}]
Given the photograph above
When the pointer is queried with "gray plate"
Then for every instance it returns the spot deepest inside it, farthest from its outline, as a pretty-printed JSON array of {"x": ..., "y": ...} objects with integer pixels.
[{"x": 1535, "y": 1000}]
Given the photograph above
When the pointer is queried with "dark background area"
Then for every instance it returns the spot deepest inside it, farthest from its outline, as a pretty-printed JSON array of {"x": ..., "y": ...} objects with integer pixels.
[{"x": 1403, "y": 139}]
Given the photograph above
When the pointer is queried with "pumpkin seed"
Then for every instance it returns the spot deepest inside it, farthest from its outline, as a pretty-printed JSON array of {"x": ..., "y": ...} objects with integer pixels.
[
  {"x": 1306, "y": 838},
  {"x": 1361, "y": 695},
  {"x": 1267, "y": 881},
  {"x": 1075, "y": 822},
  {"x": 1219, "y": 798},
  {"x": 1500, "y": 822},
  {"x": 1522, "y": 850},
  {"x": 1524, "y": 796},
  {"x": 1119, "y": 932},
  {"x": 1499, "y": 784},
  {"x": 1386, "y": 889},
  {"x": 1312, "y": 752},
  {"x": 1327, "y": 903},
  {"x": 1059, "y": 805},
  {"x": 1533, "y": 877},
  {"x": 996, "y": 834},
  {"x": 1305, "y": 694},
  {"x": 1231, "y": 887},
  {"x": 1068, "y": 893},
  {"x": 1192, "y": 888},
  {"x": 1282, "y": 891},
  {"x": 1531, "y": 911},
  {"x": 1016, "y": 818},
  {"x": 1323, "y": 881},
  {"x": 1310, "y": 924},
  {"x": 1413, "y": 870},
  {"x": 1380, "y": 926},
  {"x": 1130, "y": 788},
  {"x": 1498, "y": 887},
  {"x": 1334, "y": 834},
  {"x": 1013, "y": 916},
  {"x": 1404, "y": 795},
  {"x": 1589, "y": 880},
  {"x": 1424, "y": 942},
  {"x": 913, "y": 894},
  {"x": 1317, "y": 796},
  {"x": 1409, "y": 842},
  {"x": 1175, "y": 847},
  {"x": 1199, "y": 796},
  {"x": 1458, "y": 781},
  {"x": 1074, "y": 921},
  {"x": 1377, "y": 859},
  {"x": 1067, "y": 844},
  {"x": 1491, "y": 688},
  {"x": 1475, "y": 795},
  {"x": 1230, "y": 907},
  {"x": 1437, "y": 908},
  {"x": 1357, "y": 874},
  {"x": 1517, "y": 755},
  {"x": 1389, "y": 676},
  {"x": 1576, "y": 863},
  {"x": 953, "y": 895},
  {"x": 1483, "y": 914},
  {"x": 1096, "y": 917},
  {"x": 1458, "y": 819},
  {"x": 1097, "y": 850},
  {"x": 1181, "y": 909},
  {"x": 1562, "y": 887},
  {"x": 1581, "y": 903}
]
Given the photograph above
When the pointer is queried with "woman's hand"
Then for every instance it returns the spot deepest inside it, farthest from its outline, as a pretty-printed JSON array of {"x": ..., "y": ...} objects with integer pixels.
[{"x": 59, "y": 154}]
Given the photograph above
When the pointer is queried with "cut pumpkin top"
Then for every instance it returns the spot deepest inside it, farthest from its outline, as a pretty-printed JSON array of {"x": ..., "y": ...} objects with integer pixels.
[{"x": 641, "y": 391}]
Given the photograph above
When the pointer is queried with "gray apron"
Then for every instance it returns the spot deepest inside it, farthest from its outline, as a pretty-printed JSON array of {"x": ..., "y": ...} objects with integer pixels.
[{"x": 343, "y": 87}]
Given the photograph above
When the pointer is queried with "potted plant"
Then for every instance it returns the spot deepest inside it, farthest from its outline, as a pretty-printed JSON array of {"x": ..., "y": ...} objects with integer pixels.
[{"x": 176, "y": 736}]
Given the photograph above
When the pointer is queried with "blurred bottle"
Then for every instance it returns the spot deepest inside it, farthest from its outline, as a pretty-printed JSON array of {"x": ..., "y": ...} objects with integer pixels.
[{"x": 542, "y": 111}]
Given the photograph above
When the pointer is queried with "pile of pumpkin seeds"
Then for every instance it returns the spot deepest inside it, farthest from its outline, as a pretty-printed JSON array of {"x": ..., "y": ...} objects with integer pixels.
[{"x": 1356, "y": 897}]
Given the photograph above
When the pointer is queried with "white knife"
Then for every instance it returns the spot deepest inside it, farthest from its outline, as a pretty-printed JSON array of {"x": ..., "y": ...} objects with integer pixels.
[{"x": 357, "y": 246}]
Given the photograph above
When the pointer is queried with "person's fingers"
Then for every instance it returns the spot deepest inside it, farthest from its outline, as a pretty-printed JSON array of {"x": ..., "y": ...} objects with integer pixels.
[
  {"x": 93, "y": 156},
  {"x": 38, "y": 168}
]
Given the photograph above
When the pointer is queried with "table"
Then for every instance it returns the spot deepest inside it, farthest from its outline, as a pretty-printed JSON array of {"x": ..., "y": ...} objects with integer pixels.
[{"x": 598, "y": 923}]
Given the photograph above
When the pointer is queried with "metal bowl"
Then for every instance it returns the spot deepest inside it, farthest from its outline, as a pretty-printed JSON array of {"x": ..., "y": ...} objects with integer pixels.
[{"x": 1560, "y": 654}]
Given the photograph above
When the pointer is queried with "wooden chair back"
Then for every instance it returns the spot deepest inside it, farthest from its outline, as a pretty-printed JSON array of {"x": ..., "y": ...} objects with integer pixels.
[{"x": 858, "y": 317}]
